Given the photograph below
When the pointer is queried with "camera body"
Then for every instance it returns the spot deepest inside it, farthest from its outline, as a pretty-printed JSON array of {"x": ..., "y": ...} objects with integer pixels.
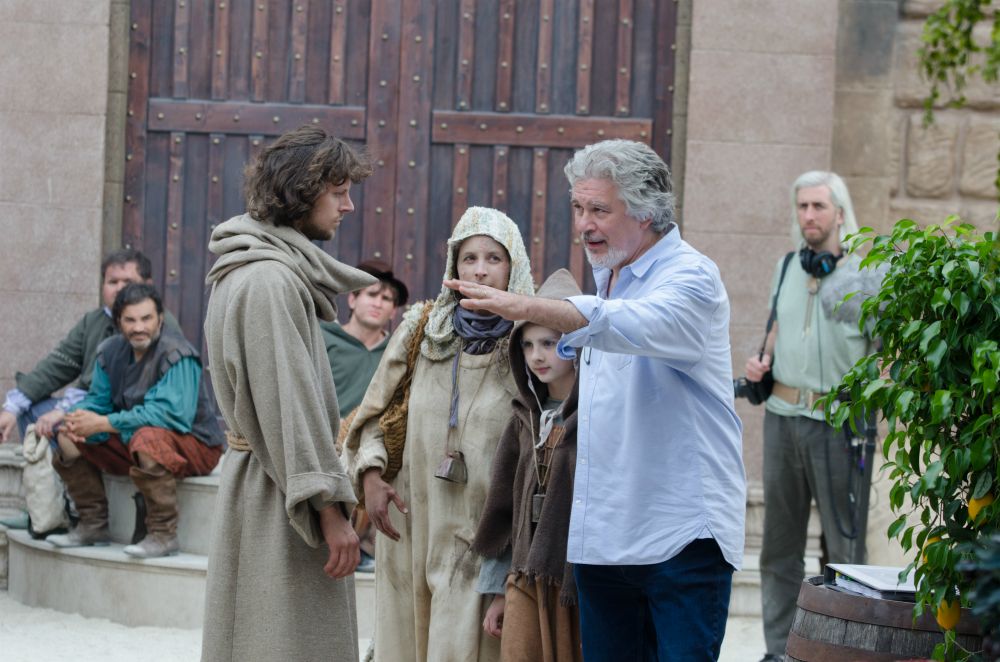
[{"x": 755, "y": 392}]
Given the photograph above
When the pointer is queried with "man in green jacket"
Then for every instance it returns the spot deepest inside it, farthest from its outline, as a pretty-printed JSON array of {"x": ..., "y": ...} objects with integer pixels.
[
  {"x": 355, "y": 348},
  {"x": 73, "y": 359}
]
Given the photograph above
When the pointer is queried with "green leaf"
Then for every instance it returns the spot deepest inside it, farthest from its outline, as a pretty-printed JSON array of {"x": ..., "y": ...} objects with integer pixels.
[
  {"x": 983, "y": 485},
  {"x": 988, "y": 378},
  {"x": 897, "y": 526},
  {"x": 915, "y": 458},
  {"x": 937, "y": 353},
  {"x": 931, "y": 475},
  {"x": 896, "y": 495},
  {"x": 873, "y": 388},
  {"x": 982, "y": 453},
  {"x": 930, "y": 333},
  {"x": 942, "y": 296},
  {"x": 903, "y": 401},
  {"x": 940, "y": 406},
  {"x": 911, "y": 329},
  {"x": 961, "y": 303}
]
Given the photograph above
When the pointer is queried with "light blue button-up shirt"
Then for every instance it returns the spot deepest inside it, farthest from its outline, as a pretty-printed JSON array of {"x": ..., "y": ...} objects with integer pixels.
[{"x": 659, "y": 444}]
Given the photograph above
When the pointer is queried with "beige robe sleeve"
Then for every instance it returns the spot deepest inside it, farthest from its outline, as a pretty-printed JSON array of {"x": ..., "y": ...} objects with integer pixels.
[
  {"x": 364, "y": 447},
  {"x": 284, "y": 401}
]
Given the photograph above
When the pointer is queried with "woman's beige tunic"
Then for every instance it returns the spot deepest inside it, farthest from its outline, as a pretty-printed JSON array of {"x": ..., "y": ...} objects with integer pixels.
[{"x": 427, "y": 608}]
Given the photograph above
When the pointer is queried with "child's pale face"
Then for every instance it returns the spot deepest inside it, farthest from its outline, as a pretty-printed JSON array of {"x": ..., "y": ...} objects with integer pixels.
[{"x": 539, "y": 346}]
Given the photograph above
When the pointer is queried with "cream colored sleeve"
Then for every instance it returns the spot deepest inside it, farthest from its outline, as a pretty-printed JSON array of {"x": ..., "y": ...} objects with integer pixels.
[{"x": 364, "y": 447}]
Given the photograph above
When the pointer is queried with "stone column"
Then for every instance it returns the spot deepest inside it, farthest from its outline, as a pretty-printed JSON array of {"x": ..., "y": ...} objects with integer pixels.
[
  {"x": 54, "y": 77},
  {"x": 760, "y": 112}
]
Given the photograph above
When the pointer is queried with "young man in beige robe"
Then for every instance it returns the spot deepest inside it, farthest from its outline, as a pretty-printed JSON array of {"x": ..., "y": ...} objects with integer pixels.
[{"x": 280, "y": 583}]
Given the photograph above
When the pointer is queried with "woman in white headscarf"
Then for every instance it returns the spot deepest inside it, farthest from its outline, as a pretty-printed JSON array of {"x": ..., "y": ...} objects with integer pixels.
[{"x": 459, "y": 401}]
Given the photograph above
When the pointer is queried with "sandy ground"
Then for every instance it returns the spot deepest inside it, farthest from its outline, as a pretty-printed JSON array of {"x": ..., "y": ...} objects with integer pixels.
[{"x": 44, "y": 635}]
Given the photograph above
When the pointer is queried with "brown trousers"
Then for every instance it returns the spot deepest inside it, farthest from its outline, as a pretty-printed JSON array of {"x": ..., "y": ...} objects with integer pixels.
[
  {"x": 180, "y": 454},
  {"x": 536, "y": 628}
]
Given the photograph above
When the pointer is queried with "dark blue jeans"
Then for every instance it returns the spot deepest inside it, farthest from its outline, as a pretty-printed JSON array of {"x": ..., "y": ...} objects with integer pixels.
[
  {"x": 674, "y": 610},
  {"x": 34, "y": 413}
]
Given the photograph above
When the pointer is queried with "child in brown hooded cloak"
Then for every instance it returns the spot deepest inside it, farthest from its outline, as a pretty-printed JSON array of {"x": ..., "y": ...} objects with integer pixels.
[{"x": 526, "y": 518}]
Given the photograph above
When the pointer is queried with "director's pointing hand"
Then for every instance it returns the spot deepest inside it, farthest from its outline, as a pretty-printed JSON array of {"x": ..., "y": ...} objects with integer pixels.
[
  {"x": 483, "y": 297},
  {"x": 550, "y": 313}
]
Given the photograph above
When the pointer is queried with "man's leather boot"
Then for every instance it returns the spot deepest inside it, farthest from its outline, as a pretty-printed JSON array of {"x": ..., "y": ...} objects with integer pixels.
[
  {"x": 159, "y": 487},
  {"x": 86, "y": 487}
]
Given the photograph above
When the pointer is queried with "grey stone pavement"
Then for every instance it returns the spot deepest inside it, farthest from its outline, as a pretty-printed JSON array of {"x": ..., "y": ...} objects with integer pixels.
[{"x": 44, "y": 635}]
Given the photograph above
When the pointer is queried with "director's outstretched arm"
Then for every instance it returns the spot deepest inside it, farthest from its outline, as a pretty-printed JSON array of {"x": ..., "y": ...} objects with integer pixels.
[{"x": 561, "y": 316}]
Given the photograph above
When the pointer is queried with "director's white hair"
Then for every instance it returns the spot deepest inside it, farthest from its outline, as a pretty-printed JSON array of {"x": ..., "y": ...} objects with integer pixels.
[{"x": 640, "y": 175}]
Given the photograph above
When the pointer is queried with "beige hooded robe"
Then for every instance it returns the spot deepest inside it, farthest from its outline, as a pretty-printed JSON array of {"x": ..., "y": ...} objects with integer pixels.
[
  {"x": 426, "y": 607},
  {"x": 268, "y": 597}
]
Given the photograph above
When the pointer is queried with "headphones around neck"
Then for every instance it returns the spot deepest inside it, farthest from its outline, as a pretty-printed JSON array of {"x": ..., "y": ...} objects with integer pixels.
[{"x": 818, "y": 264}]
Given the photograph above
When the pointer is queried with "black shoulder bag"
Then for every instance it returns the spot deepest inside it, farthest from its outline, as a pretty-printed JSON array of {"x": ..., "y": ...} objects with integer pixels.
[{"x": 758, "y": 392}]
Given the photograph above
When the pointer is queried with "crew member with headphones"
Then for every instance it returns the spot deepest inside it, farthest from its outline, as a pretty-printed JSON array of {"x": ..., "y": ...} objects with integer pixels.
[{"x": 810, "y": 349}]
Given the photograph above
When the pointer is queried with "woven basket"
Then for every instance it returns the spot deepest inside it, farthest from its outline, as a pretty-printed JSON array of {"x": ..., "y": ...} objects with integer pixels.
[{"x": 393, "y": 420}]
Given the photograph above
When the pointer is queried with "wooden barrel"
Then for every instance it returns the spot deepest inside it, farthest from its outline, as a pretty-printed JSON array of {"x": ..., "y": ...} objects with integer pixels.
[{"x": 834, "y": 625}]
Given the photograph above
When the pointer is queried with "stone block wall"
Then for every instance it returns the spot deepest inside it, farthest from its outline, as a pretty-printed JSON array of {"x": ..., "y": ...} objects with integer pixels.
[
  {"x": 896, "y": 166},
  {"x": 54, "y": 61},
  {"x": 949, "y": 166}
]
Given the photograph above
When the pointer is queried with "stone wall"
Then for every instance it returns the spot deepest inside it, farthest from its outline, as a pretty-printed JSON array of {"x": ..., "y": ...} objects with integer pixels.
[
  {"x": 950, "y": 166},
  {"x": 896, "y": 166},
  {"x": 54, "y": 75}
]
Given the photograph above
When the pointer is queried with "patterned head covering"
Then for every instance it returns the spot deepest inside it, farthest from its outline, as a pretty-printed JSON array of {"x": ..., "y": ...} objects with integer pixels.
[{"x": 440, "y": 340}]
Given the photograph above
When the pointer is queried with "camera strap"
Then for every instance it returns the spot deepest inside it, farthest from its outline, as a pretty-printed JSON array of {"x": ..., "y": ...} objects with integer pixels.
[{"x": 774, "y": 302}]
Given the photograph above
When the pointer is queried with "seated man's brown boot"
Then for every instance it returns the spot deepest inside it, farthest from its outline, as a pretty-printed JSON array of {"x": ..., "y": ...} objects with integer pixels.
[
  {"x": 159, "y": 487},
  {"x": 84, "y": 483}
]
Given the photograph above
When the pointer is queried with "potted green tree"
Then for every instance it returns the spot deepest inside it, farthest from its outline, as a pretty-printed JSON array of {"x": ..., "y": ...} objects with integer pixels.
[{"x": 934, "y": 378}]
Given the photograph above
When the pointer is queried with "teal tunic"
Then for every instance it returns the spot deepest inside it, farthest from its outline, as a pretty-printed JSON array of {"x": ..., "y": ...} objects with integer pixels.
[{"x": 170, "y": 403}]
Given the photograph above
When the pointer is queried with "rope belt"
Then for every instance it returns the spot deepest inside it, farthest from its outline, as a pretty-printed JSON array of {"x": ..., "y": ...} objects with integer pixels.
[
  {"x": 797, "y": 396},
  {"x": 237, "y": 442}
]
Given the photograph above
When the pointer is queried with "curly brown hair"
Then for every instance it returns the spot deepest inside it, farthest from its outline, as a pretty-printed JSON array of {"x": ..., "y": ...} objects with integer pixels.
[{"x": 285, "y": 180}]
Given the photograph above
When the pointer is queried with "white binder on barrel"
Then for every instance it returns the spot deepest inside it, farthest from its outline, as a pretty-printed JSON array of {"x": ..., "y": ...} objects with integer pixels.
[{"x": 874, "y": 581}]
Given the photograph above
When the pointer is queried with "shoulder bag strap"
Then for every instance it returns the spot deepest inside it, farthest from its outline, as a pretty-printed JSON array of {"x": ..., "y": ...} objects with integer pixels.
[{"x": 774, "y": 301}]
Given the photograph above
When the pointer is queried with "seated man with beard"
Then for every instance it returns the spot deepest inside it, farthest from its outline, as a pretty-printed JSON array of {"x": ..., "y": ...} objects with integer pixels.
[{"x": 147, "y": 415}]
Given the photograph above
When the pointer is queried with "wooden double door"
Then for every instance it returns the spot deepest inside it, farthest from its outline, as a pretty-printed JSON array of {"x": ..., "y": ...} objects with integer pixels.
[{"x": 460, "y": 103}]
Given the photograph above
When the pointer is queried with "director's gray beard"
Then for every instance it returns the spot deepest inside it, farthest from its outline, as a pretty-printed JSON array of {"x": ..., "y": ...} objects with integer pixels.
[{"x": 609, "y": 260}]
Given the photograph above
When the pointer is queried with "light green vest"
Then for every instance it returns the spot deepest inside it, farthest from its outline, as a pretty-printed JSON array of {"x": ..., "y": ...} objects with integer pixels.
[{"x": 812, "y": 351}]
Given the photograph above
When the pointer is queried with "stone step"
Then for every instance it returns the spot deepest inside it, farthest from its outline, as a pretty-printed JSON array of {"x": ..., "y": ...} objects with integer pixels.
[{"x": 102, "y": 582}]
